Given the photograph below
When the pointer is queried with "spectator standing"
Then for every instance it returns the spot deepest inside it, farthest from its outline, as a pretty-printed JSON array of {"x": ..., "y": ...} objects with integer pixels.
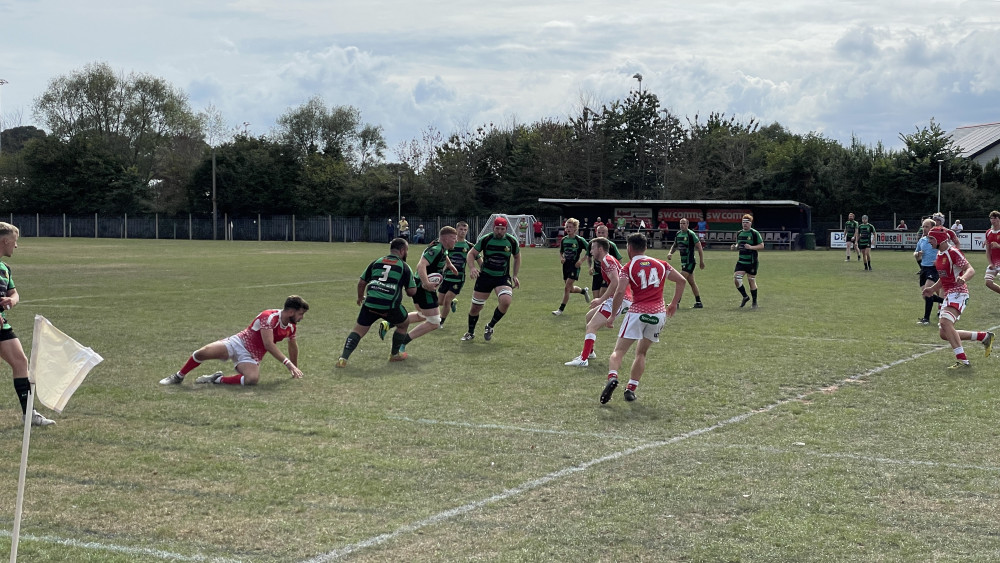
[
  {"x": 404, "y": 229},
  {"x": 901, "y": 226},
  {"x": 957, "y": 226},
  {"x": 390, "y": 231}
]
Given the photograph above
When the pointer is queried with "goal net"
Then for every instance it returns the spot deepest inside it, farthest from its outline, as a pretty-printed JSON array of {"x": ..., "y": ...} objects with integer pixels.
[{"x": 519, "y": 225}]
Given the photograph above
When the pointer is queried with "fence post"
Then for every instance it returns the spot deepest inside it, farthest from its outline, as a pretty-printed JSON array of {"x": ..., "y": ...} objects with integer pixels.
[
  {"x": 258, "y": 228},
  {"x": 293, "y": 227},
  {"x": 125, "y": 227},
  {"x": 156, "y": 225},
  {"x": 329, "y": 226},
  {"x": 38, "y": 226},
  {"x": 190, "y": 228},
  {"x": 64, "y": 225}
]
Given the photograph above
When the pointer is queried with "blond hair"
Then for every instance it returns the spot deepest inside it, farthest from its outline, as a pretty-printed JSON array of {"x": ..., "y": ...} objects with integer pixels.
[{"x": 6, "y": 229}]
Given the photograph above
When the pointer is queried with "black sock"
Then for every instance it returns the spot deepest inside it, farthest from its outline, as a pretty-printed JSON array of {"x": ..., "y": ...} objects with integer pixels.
[
  {"x": 753, "y": 292},
  {"x": 22, "y": 386},
  {"x": 497, "y": 315},
  {"x": 928, "y": 304},
  {"x": 562, "y": 306},
  {"x": 472, "y": 323},
  {"x": 350, "y": 344},
  {"x": 399, "y": 340},
  {"x": 697, "y": 298},
  {"x": 937, "y": 299},
  {"x": 743, "y": 291}
]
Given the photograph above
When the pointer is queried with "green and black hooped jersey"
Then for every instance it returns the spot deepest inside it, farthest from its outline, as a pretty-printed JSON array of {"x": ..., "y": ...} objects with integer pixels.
[
  {"x": 387, "y": 280},
  {"x": 572, "y": 248},
  {"x": 849, "y": 228},
  {"x": 6, "y": 284},
  {"x": 458, "y": 255},
  {"x": 686, "y": 243},
  {"x": 435, "y": 255},
  {"x": 866, "y": 232},
  {"x": 748, "y": 238},
  {"x": 497, "y": 253}
]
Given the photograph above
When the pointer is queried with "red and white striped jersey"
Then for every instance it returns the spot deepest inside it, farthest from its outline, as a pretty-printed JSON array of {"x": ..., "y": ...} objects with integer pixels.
[
  {"x": 611, "y": 268},
  {"x": 269, "y": 319},
  {"x": 646, "y": 276},
  {"x": 949, "y": 264}
]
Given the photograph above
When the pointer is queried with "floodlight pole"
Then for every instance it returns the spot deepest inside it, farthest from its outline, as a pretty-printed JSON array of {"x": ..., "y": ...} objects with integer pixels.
[
  {"x": 2, "y": 82},
  {"x": 940, "y": 162}
]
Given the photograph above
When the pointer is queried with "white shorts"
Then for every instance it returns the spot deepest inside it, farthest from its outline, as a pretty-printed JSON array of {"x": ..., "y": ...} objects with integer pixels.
[
  {"x": 955, "y": 301},
  {"x": 606, "y": 308},
  {"x": 642, "y": 325},
  {"x": 238, "y": 353},
  {"x": 991, "y": 272}
]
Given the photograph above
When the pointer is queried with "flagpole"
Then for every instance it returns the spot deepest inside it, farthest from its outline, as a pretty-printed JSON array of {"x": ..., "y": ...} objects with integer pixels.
[{"x": 21, "y": 475}]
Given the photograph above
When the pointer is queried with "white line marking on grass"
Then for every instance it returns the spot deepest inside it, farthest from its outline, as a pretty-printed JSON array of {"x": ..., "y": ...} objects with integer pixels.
[
  {"x": 121, "y": 548},
  {"x": 504, "y": 427},
  {"x": 873, "y": 459},
  {"x": 534, "y": 484},
  {"x": 226, "y": 289}
]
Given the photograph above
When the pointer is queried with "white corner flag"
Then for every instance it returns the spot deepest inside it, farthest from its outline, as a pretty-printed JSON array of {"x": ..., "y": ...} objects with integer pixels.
[
  {"x": 57, "y": 368},
  {"x": 58, "y": 364}
]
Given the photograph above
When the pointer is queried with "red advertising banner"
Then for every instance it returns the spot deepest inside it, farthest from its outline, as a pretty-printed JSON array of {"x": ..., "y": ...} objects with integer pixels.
[
  {"x": 726, "y": 215},
  {"x": 675, "y": 214}
]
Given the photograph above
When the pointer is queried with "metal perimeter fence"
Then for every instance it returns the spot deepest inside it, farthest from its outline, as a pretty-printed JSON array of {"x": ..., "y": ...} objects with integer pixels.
[{"x": 327, "y": 228}]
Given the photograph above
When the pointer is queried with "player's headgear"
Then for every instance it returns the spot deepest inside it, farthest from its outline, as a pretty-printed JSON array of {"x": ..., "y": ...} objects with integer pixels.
[
  {"x": 939, "y": 234},
  {"x": 500, "y": 222}
]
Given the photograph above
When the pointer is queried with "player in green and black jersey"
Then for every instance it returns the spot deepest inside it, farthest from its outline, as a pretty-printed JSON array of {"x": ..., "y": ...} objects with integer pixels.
[
  {"x": 453, "y": 283},
  {"x": 748, "y": 242},
  {"x": 573, "y": 251},
  {"x": 495, "y": 261},
  {"x": 866, "y": 239},
  {"x": 10, "y": 346},
  {"x": 688, "y": 245},
  {"x": 380, "y": 294},
  {"x": 597, "y": 285},
  {"x": 435, "y": 260},
  {"x": 851, "y": 236}
]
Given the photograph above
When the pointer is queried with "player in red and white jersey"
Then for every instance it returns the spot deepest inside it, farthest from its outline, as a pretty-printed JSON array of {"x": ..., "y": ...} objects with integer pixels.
[
  {"x": 953, "y": 273},
  {"x": 647, "y": 277},
  {"x": 247, "y": 348},
  {"x": 938, "y": 218},
  {"x": 993, "y": 251},
  {"x": 600, "y": 308}
]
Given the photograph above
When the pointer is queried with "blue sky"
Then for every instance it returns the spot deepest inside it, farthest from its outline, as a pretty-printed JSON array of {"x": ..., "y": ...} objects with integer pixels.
[{"x": 868, "y": 69}]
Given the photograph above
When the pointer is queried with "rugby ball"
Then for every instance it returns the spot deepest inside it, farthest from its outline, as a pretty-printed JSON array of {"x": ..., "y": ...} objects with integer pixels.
[{"x": 435, "y": 279}]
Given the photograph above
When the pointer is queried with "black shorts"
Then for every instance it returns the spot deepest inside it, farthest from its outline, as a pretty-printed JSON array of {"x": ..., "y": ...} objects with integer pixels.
[
  {"x": 863, "y": 245},
  {"x": 486, "y": 283},
  {"x": 689, "y": 268},
  {"x": 424, "y": 299},
  {"x": 748, "y": 268},
  {"x": 7, "y": 334},
  {"x": 928, "y": 273},
  {"x": 452, "y": 286},
  {"x": 570, "y": 271},
  {"x": 598, "y": 282},
  {"x": 368, "y": 317}
]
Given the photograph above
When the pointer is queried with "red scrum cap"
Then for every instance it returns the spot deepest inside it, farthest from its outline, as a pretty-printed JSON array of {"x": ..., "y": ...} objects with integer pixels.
[
  {"x": 939, "y": 234},
  {"x": 500, "y": 222}
]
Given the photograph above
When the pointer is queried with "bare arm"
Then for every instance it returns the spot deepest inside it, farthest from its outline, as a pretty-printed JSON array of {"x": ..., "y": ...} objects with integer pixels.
[{"x": 267, "y": 335}]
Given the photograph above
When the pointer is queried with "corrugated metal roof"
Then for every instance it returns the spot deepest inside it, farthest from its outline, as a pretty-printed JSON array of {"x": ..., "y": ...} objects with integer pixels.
[
  {"x": 974, "y": 139},
  {"x": 710, "y": 202}
]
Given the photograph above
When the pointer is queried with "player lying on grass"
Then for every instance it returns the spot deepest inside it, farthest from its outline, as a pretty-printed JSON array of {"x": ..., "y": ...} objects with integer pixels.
[{"x": 247, "y": 348}]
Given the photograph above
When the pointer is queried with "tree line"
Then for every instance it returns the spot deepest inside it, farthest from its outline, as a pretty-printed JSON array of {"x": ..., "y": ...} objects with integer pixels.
[{"x": 131, "y": 143}]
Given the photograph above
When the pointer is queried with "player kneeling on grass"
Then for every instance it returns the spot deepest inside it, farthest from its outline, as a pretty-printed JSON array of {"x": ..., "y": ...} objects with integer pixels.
[
  {"x": 380, "y": 294},
  {"x": 247, "y": 348},
  {"x": 433, "y": 263},
  {"x": 600, "y": 308},
  {"x": 953, "y": 273},
  {"x": 645, "y": 276}
]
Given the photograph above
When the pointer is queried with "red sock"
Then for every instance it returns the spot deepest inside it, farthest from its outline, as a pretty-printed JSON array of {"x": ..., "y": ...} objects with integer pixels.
[
  {"x": 190, "y": 365},
  {"x": 613, "y": 375},
  {"x": 588, "y": 347},
  {"x": 231, "y": 379},
  {"x": 980, "y": 336},
  {"x": 962, "y": 357}
]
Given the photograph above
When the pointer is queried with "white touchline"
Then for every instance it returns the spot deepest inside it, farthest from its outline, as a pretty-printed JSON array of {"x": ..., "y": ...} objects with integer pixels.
[
  {"x": 121, "y": 549},
  {"x": 505, "y": 427},
  {"x": 873, "y": 459},
  {"x": 534, "y": 484}
]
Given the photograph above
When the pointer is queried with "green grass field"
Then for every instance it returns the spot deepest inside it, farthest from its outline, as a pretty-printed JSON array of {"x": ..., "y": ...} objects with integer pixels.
[{"x": 821, "y": 427}]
